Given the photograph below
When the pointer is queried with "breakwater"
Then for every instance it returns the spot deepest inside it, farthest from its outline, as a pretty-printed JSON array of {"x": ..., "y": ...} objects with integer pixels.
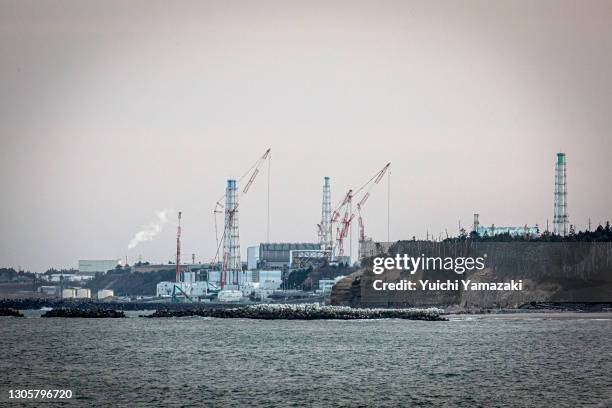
[
  {"x": 306, "y": 312},
  {"x": 10, "y": 312},
  {"x": 84, "y": 313},
  {"x": 84, "y": 304}
]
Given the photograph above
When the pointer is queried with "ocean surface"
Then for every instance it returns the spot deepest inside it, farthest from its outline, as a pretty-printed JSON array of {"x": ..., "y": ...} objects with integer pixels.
[{"x": 526, "y": 360}]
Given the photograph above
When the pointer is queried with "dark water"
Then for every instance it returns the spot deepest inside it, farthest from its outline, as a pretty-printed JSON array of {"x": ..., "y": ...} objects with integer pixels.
[{"x": 522, "y": 361}]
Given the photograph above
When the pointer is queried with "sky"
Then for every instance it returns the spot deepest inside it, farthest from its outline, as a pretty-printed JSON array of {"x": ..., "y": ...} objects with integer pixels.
[{"x": 113, "y": 111}]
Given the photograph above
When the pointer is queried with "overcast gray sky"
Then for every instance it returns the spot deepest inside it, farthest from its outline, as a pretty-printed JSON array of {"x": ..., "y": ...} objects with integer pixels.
[{"x": 110, "y": 111}]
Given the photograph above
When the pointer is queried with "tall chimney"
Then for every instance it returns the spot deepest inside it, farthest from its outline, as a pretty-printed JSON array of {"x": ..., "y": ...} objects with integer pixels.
[{"x": 561, "y": 219}]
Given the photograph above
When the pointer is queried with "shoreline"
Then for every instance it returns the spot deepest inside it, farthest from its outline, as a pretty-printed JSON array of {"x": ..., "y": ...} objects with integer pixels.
[{"x": 548, "y": 308}]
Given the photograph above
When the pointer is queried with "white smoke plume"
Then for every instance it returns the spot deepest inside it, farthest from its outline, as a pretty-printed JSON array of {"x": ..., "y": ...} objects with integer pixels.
[{"x": 152, "y": 229}]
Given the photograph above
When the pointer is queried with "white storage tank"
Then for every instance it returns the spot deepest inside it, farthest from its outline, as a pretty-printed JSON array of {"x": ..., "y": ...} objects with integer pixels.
[
  {"x": 69, "y": 293},
  {"x": 105, "y": 293},
  {"x": 83, "y": 293}
]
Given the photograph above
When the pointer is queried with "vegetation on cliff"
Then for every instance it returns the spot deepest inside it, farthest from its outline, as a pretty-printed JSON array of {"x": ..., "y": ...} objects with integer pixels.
[{"x": 599, "y": 234}]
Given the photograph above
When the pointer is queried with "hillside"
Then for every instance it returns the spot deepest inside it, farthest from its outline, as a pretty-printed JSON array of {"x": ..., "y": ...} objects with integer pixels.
[
  {"x": 131, "y": 284},
  {"x": 550, "y": 271}
]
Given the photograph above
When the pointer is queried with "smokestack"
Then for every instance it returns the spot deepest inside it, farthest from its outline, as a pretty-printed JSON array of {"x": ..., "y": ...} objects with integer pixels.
[
  {"x": 561, "y": 219},
  {"x": 231, "y": 240}
]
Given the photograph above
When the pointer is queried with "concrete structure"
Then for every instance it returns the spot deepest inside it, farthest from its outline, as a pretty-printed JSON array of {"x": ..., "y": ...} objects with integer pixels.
[
  {"x": 514, "y": 231},
  {"x": 524, "y": 230},
  {"x": 271, "y": 279},
  {"x": 326, "y": 285},
  {"x": 193, "y": 289},
  {"x": 278, "y": 255},
  {"x": 67, "y": 277},
  {"x": 366, "y": 248},
  {"x": 166, "y": 267},
  {"x": 476, "y": 222},
  {"x": 325, "y": 227},
  {"x": 561, "y": 218},
  {"x": 105, "y": 293},
  {"x": 369, "y": 248},
  {"x": 93, "y": 266},
  {"x": 231, "y": 236},
  {"x": 83, "y": 293},
  {"x": 50, "y": 290},
  {"x": 303, "y": 258},
  {"x": 189, "y": 277},
  {"x": 69, "y": 293},
  {"x": 229, "y": 296},
  {"x": 252, "y": 257}
]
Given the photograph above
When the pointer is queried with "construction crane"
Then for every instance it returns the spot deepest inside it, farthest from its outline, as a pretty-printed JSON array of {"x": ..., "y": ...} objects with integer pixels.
[
  {"x": 364, "y": 193},
  {"x": 251, "y": 173},
  {"x": 178, "y": 250},
  {"x": 220, "y": 208},
  {"x": 371, "y": 183},
  {"x": 345, "y": 223}
]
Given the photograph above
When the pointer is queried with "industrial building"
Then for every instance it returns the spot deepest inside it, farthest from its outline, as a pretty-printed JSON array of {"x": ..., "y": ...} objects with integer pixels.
[
  {"x": 524, "y": 230},
  {"x": 76, "y": 293},
  {"x": 278, "y": 255},
  {"x": 93, "y": 266},
  {"x": 145, "y": 268},
  {"x": 252, "y": 257},
  {"x": 326, "y": 285},
  {"x": 263, "y": 277},
  {"x": 180, "y": 289},
  {"x": 105, "y": 293}
]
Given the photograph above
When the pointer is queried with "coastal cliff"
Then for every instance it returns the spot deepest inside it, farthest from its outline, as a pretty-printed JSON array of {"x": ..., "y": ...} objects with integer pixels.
[{"x": 549, "y": 272}]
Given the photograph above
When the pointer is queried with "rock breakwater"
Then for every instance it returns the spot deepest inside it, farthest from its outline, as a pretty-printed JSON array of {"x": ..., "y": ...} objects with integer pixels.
[
  {"x": 306, "y": 312},
  {"x": 86, "y": 313},
  {"x": 10, "y": 312}
]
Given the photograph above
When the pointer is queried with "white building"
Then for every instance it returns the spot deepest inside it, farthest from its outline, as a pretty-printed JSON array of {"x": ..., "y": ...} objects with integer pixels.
[
  {"x": 93, "y": 266},
  {"x": 69, "y": 293},
  {"x": 192, "y": 289},
  {"x": 230, "y": 296},
  {"x": 105, "y": 293},
  {"x": 270, "y": 279},
  {"x": 252, "y": 257},
  {"x": 83, "y": 293},
  {"x": 67, "y": 277},
  {"x": 326, "y": 285}
]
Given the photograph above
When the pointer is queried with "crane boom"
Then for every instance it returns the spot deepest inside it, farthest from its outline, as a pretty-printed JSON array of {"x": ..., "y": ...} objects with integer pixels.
[
  {"x": 364, "y": 193},
  {"x": 255, "y": 169},
  {"x": 219, "y": 207}
]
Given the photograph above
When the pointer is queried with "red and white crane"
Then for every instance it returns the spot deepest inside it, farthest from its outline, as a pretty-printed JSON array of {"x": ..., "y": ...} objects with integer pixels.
[{"x": 345, "y": 207}]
